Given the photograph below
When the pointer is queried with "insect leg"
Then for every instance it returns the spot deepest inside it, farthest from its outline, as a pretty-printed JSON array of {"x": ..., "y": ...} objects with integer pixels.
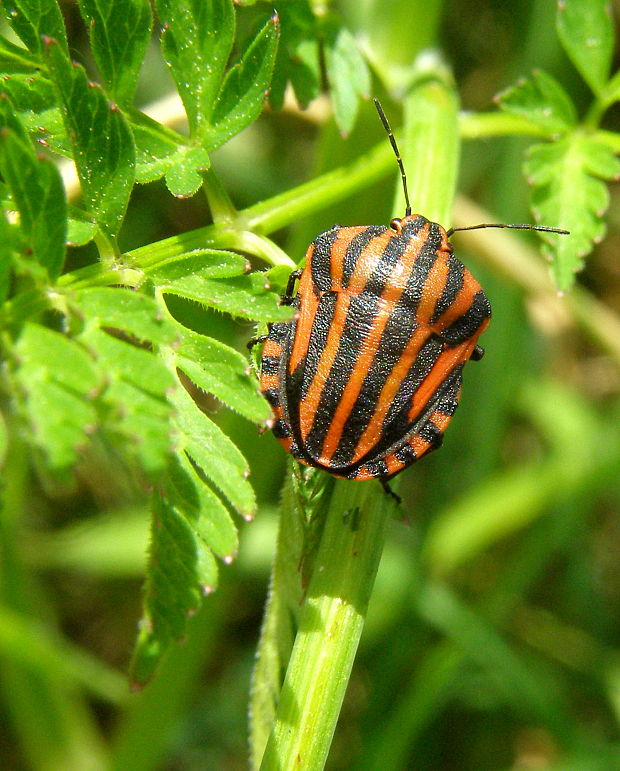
[
  {"x": 387, "y": 489},
  {"x": 256, "y": 341},
  {"x": 288, "y": 296}
]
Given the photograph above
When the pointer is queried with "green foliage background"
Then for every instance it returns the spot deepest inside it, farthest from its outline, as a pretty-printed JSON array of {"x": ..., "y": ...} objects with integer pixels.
[{"x": 492, "y": 637}]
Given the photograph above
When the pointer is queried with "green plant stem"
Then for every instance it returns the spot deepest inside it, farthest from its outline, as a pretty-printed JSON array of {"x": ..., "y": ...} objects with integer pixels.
[
  {"x": 352, "y": 539},
  {"x": 330, "y": 628},
  {"x": 482, "y": 125},
  {"x": 432, "y": 148},
  {"x": 222, "y": 209},
  {"x": 319, "y": 193}
]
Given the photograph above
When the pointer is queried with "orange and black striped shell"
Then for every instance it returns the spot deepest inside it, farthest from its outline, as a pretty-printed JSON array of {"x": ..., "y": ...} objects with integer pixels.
[{"x": 366, "y": 377}]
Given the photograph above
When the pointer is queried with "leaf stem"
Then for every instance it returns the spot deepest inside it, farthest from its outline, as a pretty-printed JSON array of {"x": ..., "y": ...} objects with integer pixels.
[
  {"x": 222, "y": 208},
  {"x": 483, "y": 125}
]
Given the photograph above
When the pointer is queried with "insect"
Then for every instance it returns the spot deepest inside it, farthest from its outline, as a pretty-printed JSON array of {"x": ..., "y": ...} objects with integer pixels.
[{"x": 366, "y": 377}]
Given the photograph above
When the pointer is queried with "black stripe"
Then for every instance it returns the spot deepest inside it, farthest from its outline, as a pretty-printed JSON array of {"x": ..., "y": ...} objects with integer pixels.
[
  {"x": 321, "y": 325},
  {"x": 405, "y": 454},
  {"x": 270, "y": 365},
  {"x": 390, "y": 257},
  {"x": 272, "y": 395},
  {"x": 355, "y": 248},
  {"x": 378, "y": 468},
  {"x": 453, "y": 285},
  {"x": 298, "y": 382},
  {"x": 426, "y": 258},
  {"x": 279, "y": 332},
  {"x": 321, "y": 259},
  {"x": 467, "y": 324},
  {"x": 396, "y": 336},
  {"x": 399, "y": 433},
  {"x": 360, "y": 318},
  {"x": 449, "y": 400},
  {"x": 281, "y": 429},
  {"x": 396, "y": 422},
  {"x": 430, "y": 433}
]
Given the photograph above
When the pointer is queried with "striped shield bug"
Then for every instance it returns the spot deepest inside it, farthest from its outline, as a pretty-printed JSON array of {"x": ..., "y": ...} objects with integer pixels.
[{"x": 365, "y": 378}]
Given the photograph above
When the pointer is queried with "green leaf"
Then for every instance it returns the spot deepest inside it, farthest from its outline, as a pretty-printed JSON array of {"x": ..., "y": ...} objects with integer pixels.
[
  {"x": 137, "y": 385},
  {"x": 56, "y": 382},
  {"x": 298, "y": 56},
  {"x": 37, "y": 191},
  {"x": 160, "y": 152},
  {"x": 205, "y": 263},
  {"x": 184, "y": 177},
  {"x": 32, "y": 20},
  {"x": 6, "y": 257},
  {"x": 119, "y": 32},
  {"x": 81, "y": 229},
  {"x": 179, "y": 564},
  {"x": 305, "y": 72},
  {"x": 245, "y": 86},
  {"x": 247, "y": 296},
  {"x": 203, "y": 509},
  {"x": 585, "y": 29},
  {"x": 542, "y": 100},
  {"x": 14, "y": 58},
  {"x": 102, "y": 142},
  {"x": 223, "y": 372},
  {"x": 33, "y": 98},
  {"x": 124, "y": 309},
  {"x": 190, "y": 525},
  {"x": 347, "y": 75},
  {"x": 567, "y": 192},
  {"x": 215, "y": 454},
  {"x": 197, "y": 39}
]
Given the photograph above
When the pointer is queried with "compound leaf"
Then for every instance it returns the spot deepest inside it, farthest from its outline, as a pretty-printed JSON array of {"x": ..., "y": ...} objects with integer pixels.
[
  {"x": 126, "y": 310},
  {"x": 103, "y": 148},
  {"x": 221, "y": 371},
  {"x": 56, "y": 382},
  {"x": 241, "y": 97},
  {"x": 585, "y": 29},
  {"x": 197, "y": 39},
  {"x": 214, "y": 453},
  {"x": 38, "y": 194},
  {"x": 119, "y": 32},
  {"x": 568, "y": 191},
  {"x": 34, "y": 20},
  {"x": 542, "y": 100}
]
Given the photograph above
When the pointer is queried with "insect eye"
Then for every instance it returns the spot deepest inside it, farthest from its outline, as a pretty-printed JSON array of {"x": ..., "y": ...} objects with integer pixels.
[{"x": 396, "y": 224}]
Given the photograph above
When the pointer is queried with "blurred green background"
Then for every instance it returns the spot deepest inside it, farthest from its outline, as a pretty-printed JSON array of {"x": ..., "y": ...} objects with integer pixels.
[{"x": 493, "y": 640}]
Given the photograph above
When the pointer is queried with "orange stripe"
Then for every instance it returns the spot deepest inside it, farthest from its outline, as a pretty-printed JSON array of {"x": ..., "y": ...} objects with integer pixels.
[
  {"x": 433, "y": 288},
  {"x": 368, "y": 261},
  {"x": 339, "y": 251},
  {"x": 269, "y": 381},
  {"x": 461, "y": 303},
  {"x": 354, "y": 384},
  {"x": 373, "y": 430},
  {"x": 309, "y": 405},
  {"x": 393, "y": 464},
  {"x": 271, "y": 348},
  {"x": 307, "y": 311},
  {"x": 446, "y": 362}
]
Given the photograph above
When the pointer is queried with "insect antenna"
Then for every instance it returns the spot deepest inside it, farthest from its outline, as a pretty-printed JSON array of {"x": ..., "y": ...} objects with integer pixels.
[
  {"x": 390, "y": 134},
  {"x": 544, "y": 228}
]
